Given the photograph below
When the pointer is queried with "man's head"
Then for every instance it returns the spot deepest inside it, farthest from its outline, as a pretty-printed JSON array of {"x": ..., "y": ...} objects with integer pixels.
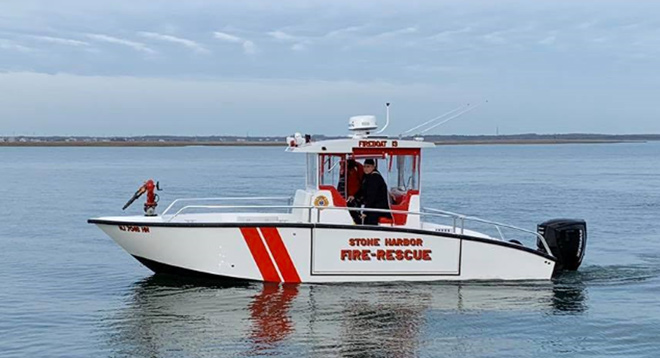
[
  {"x": 351, "y": 164},
  {"x": 369, "y": 166}
]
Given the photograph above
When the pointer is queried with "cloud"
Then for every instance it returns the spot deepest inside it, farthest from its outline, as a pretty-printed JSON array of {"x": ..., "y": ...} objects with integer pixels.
[
  {"x": 13, "y": 46},
  {"x": 61, "y": 41},
  {"x": 404, "y": 31},
  {"x": 177, "y": 40},
  {"x": 446, "y": 35},
  {"x": 227, "y": 37},
  {"x": 600, "y": 40},
  {"x": 300, "y": 46},
  {"x": 386, "y": 36},
  {"x": 586, "y": 25},
  {"x": 282, "y": 36},
  {"x": 549, "y": 40},
  {"x": 303, "y": 42},
  {"x": 511, "y": 35},
  {"x": 632, "y": 26},
  {"x": 343, "y": 31},
  {"x": 434, "y": 68},
  {"x": 137, "y": 46},
  {"x": 494, "y": 38},
  {"x": 249, "y": 48}
]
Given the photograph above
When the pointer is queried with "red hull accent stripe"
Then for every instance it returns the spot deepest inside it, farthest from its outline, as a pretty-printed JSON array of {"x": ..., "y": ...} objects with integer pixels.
[
  {"x": 260, "y": 255},
  {"x": 280, "y": 254}
]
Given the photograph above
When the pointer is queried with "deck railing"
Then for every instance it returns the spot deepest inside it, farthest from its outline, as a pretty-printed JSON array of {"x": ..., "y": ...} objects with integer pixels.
[
  {"x": 289, "y": 200},
  {"x": 458, "y": 226}
]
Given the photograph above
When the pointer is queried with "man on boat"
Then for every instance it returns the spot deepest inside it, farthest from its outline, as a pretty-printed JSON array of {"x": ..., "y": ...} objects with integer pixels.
[
  {"x": 372, "y": 194},
  {"x": 354, "y": 177},
  {"x": 349, "y": 183}
]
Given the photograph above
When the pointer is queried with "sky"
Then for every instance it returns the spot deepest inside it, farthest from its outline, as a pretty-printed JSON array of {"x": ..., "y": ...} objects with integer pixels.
[{"x": 80, "y": 67}]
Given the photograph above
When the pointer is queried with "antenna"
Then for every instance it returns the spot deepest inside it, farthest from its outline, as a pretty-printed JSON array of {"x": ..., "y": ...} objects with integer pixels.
[
  {"x": 452, "y": 117},
  {"x": 387, "y": 118},
  {"x": 434, "y": 119}
]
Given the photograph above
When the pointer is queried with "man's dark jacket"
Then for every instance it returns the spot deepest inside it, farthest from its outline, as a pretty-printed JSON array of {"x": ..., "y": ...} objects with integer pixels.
[{"x": 373, "y": 193}]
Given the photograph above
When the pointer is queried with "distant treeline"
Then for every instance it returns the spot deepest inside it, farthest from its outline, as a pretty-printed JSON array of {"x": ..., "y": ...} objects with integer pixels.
[
  {"x": 431, "y": 138},
  {"x": 170, "y": 140},
  {"x": 544, "y": 137}
]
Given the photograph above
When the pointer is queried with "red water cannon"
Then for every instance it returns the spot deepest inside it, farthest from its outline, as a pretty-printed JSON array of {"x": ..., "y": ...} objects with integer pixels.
[{"x": 150, "y": 188}]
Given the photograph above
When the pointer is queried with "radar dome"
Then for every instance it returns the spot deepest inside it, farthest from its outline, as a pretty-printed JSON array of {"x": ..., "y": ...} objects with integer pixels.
[{"x": 364, "y": 123}]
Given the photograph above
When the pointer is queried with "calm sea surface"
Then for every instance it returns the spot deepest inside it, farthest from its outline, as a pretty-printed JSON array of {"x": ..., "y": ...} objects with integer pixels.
[{"x": 66, "y": 290}]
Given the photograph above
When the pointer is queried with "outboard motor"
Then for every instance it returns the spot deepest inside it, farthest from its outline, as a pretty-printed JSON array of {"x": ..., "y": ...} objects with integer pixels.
[{"x": 567, "y": 239}]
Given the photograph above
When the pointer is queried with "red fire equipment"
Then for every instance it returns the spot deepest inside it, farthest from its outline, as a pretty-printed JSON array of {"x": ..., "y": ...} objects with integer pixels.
[{"x": 150, "y": 188}]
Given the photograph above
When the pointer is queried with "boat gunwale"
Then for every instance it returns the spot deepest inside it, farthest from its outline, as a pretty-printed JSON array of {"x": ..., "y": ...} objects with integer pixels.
[{"x": 101, "y": 221}]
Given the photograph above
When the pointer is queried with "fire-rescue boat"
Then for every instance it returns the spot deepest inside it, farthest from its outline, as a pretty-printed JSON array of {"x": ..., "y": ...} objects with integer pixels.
[{"x": 313, "y": 236}]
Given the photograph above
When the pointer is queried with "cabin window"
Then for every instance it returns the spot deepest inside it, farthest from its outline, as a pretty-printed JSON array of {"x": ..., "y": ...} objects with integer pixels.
[
  {"x": 312, "y": 171},
  {"x": 332, "y": 172},
  {"x": 406, "y": 172}
]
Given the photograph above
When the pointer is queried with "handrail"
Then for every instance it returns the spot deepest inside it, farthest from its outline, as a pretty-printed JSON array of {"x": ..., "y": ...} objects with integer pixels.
[
  {"x": 426, "y": 212},
  {"x": 228, "y": 198},
  {"x": 308, "y": 207},
  {"x": 495, "y": 223},
  {"x": 239, "y": 207},
  {"x": 319, "y": 208}
]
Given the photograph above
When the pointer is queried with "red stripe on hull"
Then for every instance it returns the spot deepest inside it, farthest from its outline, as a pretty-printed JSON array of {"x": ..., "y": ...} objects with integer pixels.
[
  {"x": 280, "y": 254},
  {"x": 260, "y": 255}
]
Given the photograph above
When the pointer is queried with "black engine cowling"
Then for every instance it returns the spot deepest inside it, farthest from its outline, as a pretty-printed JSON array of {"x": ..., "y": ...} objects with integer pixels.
[{"x": 567, "y": 239}]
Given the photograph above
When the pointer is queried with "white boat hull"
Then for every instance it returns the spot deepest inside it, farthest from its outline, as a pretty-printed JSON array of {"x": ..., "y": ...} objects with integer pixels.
[{"x": 323, "y": 253}]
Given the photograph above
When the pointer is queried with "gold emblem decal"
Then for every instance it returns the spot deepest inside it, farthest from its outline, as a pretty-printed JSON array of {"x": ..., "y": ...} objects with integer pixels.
[{"x": 321, "y": 200}]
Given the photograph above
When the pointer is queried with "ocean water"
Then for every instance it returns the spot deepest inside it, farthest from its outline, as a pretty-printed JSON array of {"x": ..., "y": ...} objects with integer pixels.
[{"x": 66, "y": 290}]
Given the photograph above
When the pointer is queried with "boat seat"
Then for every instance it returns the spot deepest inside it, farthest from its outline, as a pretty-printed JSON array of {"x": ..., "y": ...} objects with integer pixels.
[
  {"x": 337, "y": 199},
  {"x": 404, "y": 204}
]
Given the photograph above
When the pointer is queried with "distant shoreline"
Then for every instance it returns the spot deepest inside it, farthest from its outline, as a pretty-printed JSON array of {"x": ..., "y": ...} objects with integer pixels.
[
  {"x": 282, "y": 144},
  {"x": 280, "y": 141}
]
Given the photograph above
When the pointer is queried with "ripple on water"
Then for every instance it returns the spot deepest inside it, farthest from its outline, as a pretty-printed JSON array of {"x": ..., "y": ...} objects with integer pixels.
[{"x": 611, "y": 275}]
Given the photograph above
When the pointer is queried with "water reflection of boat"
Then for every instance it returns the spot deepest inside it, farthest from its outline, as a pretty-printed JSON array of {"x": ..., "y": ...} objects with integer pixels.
[
  {"x": 165, "y": 314},
  {"x": 269, "y": 314},
  {"x": 569, "y": 296}
]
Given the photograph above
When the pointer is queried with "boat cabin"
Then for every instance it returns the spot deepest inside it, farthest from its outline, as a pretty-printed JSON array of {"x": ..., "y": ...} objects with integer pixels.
[{"x": 335, "y": 169}]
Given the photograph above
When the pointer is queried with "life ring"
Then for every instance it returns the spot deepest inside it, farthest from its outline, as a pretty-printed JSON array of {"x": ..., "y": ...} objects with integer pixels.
[{"x": 321, "y": 200}]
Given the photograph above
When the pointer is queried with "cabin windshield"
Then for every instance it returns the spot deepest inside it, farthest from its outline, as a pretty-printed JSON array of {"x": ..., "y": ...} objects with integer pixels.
[
  {"x": 344, "y": 172},
  {"x": 399, "y": 166}
]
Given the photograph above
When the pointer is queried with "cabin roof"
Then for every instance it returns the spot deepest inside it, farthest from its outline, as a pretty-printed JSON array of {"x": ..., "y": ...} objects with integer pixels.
[{"x": 348, "y": 145}]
